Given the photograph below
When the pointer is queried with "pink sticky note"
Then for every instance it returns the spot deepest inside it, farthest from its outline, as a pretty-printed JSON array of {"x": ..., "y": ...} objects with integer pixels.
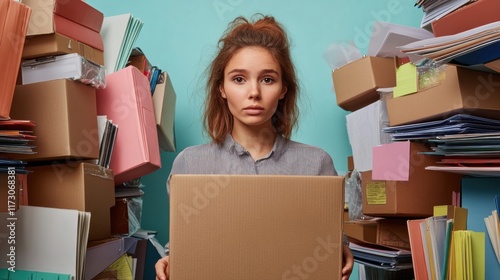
[{"x": 391, "y": 162}]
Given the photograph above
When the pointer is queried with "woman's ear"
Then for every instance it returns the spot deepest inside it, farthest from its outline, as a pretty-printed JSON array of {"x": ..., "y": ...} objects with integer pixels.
[
  {"x": 222, "y": 92},
  {"x": 283, "y": 93}
]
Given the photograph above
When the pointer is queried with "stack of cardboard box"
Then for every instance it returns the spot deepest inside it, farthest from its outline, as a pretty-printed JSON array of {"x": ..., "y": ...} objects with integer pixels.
[
  {"x": 397, "y": 187},
  {"x": 63, "y": 170}
]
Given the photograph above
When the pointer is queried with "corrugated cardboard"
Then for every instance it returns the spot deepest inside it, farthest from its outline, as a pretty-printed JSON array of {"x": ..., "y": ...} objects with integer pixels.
[
  {"x": 461, "y": 91},
  {"x": 57, "y": 44},
  {"x": 364, "y": 231},
  {"x": 256, "y": 227},
  {"x": 73, "y": 18},
  {"x": 469, "y": 16},
  {"x": 356, "y": 83},
  {"x": 127, "y": 102},
  {"x": 413, "y": 198},
  {"x": 393, "y": 232},
  {"x": 65, "y": 117},
  {"x": 164, "y": 105},
  {"x": 75, "y": 185}
]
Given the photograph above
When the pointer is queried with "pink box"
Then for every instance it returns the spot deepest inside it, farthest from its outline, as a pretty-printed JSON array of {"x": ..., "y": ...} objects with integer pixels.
[{"x": 127, "y": 102}]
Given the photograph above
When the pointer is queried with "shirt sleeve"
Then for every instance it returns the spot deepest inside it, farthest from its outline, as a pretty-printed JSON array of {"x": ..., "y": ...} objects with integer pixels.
[{"x": 327, "y": 166}]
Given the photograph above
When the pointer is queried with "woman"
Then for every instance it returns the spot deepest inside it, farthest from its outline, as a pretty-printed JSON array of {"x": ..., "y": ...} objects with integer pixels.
[{"x": 250, "y": 112}]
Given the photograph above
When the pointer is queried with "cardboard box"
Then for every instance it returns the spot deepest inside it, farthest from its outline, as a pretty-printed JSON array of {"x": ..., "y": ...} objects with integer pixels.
[
  {"x": 13, "y": 190},
  {"x": 411, "y": 197},
  {"x": 393, "y": 232},
  {"x": 58, "y": 44},
  {"x": 65, "y": 116},
  {"x": 73, "y": 18},
  {"x": 364, "y": 231},
  {"x": 356, "y": 83},
  {"x": 77, "y": 185},
  {"x": 256, "y": 226},
  {"x": 466, "y": 17},
  {"x": 461, "y": 91},
  {"x": 164, "y": 105}
]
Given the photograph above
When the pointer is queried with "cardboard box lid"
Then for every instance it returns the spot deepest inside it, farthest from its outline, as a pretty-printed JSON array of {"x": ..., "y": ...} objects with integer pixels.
[{"x": 255, "y": 226}]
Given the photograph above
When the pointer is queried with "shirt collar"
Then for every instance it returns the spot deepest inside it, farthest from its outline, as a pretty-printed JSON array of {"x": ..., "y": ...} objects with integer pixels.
[{"x": 232, "y": 146}]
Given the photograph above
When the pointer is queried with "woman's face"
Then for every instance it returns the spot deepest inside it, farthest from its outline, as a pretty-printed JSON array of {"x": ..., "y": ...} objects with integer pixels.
[{"x": 252, "y": 87}]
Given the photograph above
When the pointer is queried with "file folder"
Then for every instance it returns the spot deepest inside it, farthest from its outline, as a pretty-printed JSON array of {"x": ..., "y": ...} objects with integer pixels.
[
  {"x": 127, "y": 101},
  {"x": 14, "y": 17}
]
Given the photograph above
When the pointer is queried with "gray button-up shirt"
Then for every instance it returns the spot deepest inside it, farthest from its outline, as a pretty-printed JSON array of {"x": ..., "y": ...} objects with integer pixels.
[{"x": 287, "y": 157}]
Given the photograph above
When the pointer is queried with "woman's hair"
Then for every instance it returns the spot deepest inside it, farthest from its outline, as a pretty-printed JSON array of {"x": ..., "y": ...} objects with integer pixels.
[{"x": 264, "y": 32}]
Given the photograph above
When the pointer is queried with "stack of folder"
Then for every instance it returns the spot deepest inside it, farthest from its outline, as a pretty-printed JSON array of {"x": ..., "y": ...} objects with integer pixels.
[{"x": 442, "y": 247}]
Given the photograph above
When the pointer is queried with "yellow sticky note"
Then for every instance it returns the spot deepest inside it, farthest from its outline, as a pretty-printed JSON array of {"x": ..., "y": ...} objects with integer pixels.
[
  {"x": 375, "y": 193},
  {"x": 406, "y": 80}
]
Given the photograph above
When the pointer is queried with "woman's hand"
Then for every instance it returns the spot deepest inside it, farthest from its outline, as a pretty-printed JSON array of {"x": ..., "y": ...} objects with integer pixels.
[
  {"x": 347, "y": 262},
  {"x": 162, "y": 268}
]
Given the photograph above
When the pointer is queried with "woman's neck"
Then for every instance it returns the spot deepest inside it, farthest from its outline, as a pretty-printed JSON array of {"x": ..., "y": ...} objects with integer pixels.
[{"x": 258, "y": 142}]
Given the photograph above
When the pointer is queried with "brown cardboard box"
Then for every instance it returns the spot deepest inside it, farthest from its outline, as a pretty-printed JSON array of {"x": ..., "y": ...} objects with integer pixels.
[
  {"x": 58, "y": 44},
  {"x": 393, "y": 232},
  {"x": 77, "y": 185},
  {"x": 256, "y": 227},
  {"x": 364, "y": 231},
  {"x": 461, "y": 91},
  {"x": 13, "y": 191},
  {"x": 65, "y": 116},
  {"x": 356, "y": 83},
  {"x": 415, "y": 197}
]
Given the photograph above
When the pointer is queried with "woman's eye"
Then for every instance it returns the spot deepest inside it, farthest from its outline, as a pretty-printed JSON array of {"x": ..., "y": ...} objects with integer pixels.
[
  {"x": 238, "y": 80},
  {"x": 268, "y": 80}
]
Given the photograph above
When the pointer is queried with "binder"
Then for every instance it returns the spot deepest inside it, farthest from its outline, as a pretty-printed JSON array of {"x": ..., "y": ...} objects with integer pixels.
[{"x": 127, "y": 101}]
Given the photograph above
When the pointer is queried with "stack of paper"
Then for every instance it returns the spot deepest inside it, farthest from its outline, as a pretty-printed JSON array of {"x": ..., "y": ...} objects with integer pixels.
[
  {"x": 47, "y": 239},
  {"x": 379, "y": 256},
  {"x": 493, "y": 228},
  {"x": 16, "y": 136},
  {"x": 387, "y": 37},
  {"x": 474, "y": 46},
  {"x": 454, "y": 125},
  {"x": 119, "y": 34},
  {"x": 436, "y": 9},
  {"x": 469, "y": 254}
]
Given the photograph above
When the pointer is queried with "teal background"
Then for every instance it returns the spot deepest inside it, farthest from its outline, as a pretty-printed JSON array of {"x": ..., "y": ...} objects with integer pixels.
[{"x": 180, "y": 37}]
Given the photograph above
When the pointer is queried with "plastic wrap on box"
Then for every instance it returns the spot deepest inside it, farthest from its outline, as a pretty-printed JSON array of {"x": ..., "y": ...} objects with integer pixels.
[
  {"x": 69, "y": 66},
  {"x": 134, "y": 213},
  {"x": 355, "y": 195}
]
